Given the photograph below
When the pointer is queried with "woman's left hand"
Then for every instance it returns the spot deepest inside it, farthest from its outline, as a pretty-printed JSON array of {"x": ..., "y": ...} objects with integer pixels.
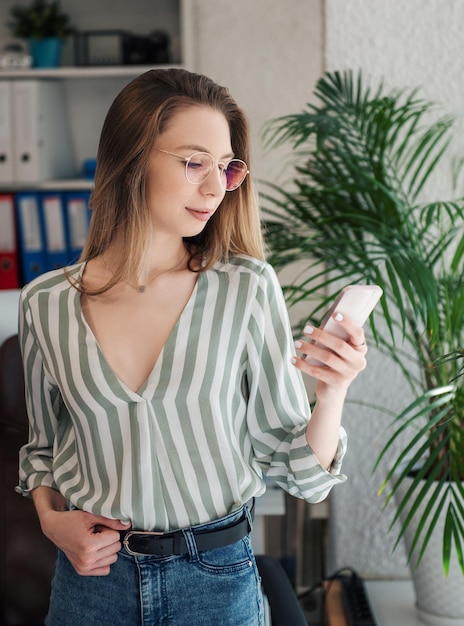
[{"x": 333, "y": 361}]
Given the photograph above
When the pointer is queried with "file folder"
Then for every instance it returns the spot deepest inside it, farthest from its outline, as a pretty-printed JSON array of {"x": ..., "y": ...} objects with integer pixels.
[
  {"x": 31, "y": 242},
  {"x": 53, "y": 223},
  {"x": 6, "y": 132},
  {"x": 42, "y": 145},
  {"x": 77, "y": 222},
  {"x": 9, "y": 270}
]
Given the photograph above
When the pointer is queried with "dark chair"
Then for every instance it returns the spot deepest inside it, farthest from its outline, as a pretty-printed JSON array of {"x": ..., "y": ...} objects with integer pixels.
[
  {"x": 286, "y": 609},
  {"x": 27, "y": 558}
]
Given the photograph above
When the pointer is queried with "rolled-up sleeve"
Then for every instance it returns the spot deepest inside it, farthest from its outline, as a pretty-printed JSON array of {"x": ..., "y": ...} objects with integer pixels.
[
  {"x": 278, "y": 409},
  {"x": 42, "y": 401}
]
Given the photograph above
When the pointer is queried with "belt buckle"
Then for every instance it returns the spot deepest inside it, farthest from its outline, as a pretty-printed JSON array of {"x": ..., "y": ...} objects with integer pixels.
[{"x": 131, "y": 533}]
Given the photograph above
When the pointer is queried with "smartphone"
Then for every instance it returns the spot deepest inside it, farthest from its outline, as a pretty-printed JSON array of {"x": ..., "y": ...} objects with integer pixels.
[{"x": 354, "y": 301}]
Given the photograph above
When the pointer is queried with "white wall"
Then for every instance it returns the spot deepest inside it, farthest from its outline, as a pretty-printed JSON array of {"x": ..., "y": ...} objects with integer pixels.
[
  {"x": 408, "y": 44},
  {"x": 267, "y": 52}
]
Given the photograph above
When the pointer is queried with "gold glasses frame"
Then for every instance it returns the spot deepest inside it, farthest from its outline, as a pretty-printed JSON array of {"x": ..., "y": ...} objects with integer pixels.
[{"x": 224, "y": 165}]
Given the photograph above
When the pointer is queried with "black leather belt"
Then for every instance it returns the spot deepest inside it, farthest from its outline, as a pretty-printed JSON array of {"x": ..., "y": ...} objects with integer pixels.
[{"x": 141, "y": 543}]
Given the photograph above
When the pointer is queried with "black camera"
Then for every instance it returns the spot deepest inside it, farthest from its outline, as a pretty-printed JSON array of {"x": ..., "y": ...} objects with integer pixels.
[
  {"x": 120, "y": 47},
  {"x": 142, "y": 50}
]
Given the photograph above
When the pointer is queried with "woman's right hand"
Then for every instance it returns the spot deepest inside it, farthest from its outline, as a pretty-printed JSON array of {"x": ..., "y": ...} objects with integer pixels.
[{"x": 91, "y": 542}]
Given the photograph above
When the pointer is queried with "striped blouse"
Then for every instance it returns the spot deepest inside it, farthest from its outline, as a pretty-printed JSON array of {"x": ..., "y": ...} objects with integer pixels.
[{"x": 222, "y": 407}]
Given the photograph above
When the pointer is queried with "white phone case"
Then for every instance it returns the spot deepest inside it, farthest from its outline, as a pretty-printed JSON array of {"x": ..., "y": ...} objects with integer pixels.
[{"x": 355, "y": 302}]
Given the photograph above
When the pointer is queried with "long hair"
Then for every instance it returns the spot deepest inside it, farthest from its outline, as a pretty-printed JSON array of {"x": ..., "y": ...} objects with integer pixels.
[{"x": 135, "y": 120}]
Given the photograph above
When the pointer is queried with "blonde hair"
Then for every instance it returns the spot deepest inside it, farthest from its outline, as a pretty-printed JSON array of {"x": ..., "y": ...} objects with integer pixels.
[{"x": 137, "y": 117}]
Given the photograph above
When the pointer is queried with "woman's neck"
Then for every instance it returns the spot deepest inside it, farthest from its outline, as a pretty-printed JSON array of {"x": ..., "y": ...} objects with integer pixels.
[{"x": 160, "y": 261}]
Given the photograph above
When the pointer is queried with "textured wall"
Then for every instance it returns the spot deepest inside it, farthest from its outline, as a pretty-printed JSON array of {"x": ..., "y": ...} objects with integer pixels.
[{"x": 408, "y": 44}]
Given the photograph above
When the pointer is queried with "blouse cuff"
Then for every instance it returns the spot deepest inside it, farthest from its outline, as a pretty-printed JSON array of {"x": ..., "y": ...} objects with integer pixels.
[{"x": 26, "y": 487}]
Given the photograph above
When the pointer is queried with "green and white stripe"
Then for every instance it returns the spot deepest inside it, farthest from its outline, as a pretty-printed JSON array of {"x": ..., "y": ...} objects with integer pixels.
[{"x": 222, "y": 406}]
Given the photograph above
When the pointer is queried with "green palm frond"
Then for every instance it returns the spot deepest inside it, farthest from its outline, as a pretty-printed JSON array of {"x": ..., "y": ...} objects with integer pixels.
[{"x": 367, "y": 160}]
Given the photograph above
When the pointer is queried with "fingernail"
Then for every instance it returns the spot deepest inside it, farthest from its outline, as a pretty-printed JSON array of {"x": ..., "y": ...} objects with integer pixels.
[
  {"x": 308, "y": 330},
  {"x": 293, "y": 360},
  {"x": 298, "y": 344},
  {"x": 338, "y": 317}
]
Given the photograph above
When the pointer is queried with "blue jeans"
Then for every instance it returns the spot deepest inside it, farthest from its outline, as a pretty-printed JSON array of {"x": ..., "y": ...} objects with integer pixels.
[{"x": 207, "y": 588}]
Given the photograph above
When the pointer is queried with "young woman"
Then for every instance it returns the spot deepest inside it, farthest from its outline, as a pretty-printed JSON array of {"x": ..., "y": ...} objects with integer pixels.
[{"x": 161, "y": 377}]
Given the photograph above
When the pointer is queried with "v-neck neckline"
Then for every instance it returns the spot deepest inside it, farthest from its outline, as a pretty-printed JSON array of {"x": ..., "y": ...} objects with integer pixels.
[{"x": 147, "y": 384}]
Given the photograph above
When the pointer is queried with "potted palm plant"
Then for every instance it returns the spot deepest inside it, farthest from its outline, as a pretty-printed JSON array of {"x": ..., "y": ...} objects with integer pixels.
[
  {"x": 358, "y": 212},
  {"x": 44, "y": 25}
]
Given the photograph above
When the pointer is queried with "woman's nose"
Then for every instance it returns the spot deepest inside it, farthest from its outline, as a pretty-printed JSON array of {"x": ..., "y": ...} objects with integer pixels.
[{"x": 214, "y": 183}]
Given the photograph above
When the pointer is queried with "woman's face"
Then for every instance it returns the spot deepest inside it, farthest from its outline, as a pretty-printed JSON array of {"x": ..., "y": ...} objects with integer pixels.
[{"x": 178, "y": 207}]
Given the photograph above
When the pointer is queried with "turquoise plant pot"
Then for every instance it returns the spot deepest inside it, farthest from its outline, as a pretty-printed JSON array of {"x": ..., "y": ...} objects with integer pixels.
[{"x": 45, "y": 52}]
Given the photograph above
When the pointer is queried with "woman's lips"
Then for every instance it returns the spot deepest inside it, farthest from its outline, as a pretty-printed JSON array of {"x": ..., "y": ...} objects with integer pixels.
[{"x": 202, "y": 215}]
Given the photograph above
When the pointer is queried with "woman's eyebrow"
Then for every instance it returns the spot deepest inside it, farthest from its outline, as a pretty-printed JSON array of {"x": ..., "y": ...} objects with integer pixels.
[{"x": 198, "y": 148}]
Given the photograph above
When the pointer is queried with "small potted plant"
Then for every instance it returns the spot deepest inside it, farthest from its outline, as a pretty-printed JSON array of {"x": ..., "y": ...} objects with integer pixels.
[{"x": 44, "y": 25}]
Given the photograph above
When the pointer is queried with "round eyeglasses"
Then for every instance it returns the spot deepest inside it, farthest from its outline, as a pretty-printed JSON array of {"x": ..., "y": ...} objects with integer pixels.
[{"x": 199, "y": 166}]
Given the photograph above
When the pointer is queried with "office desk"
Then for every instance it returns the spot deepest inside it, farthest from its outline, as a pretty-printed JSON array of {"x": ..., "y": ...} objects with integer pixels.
[{"x": 392, "y": 602}]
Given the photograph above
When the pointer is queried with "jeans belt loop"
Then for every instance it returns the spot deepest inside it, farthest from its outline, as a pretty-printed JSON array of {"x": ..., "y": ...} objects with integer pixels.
[{"x": 250, "y": 513}]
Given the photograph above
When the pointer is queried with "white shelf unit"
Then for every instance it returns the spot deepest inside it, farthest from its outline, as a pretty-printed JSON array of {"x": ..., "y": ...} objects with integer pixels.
[
  {"x": 88, "y": 94},
  {"x": 73, "y": 72},
  {"x": 59, "y": 184}
]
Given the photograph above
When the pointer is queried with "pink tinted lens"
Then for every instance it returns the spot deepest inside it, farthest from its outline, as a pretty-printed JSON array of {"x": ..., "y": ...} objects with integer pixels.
[{"x": 235, "y": 173}]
